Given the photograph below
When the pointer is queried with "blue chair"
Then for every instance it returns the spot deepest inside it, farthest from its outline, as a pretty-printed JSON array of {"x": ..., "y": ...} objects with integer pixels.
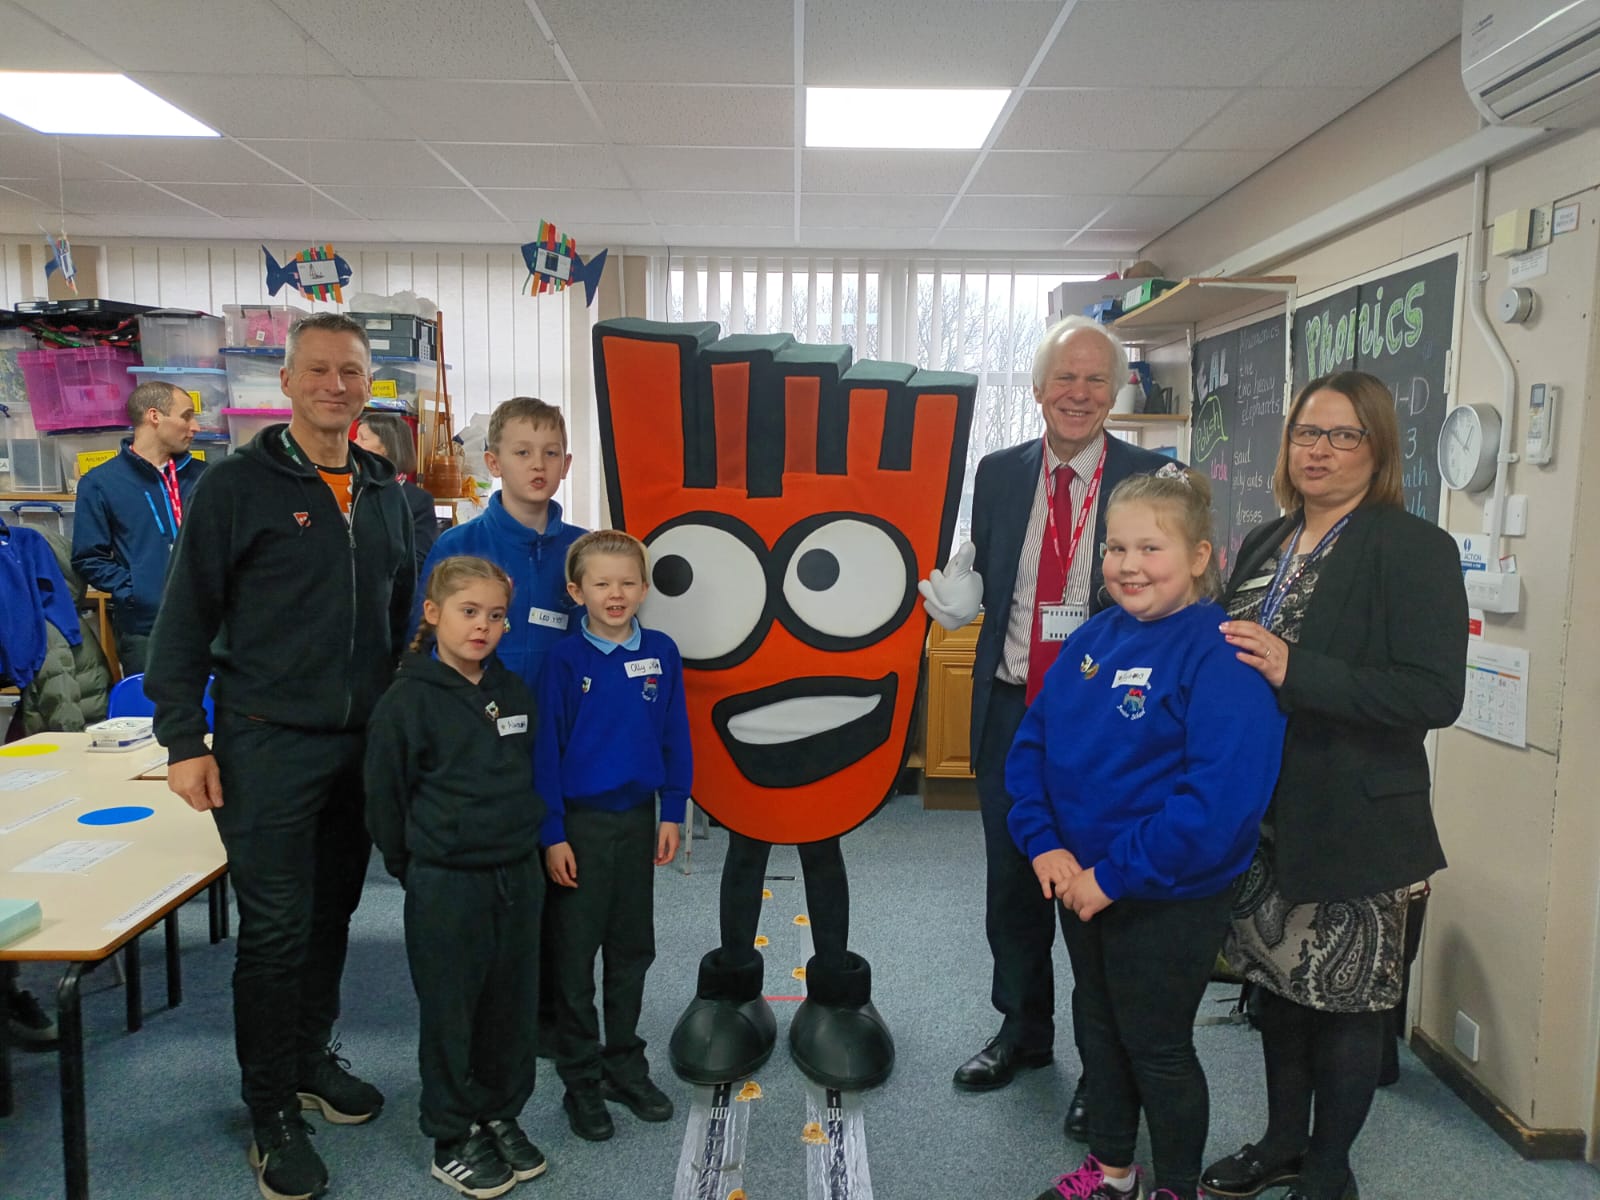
[{"x": 128, "y": 700}]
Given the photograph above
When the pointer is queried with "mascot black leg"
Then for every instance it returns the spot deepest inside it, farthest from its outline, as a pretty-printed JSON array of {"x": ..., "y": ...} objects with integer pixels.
[
  {"x": 837, "y": 1037},
  {"x": 728, "y": 1030}
]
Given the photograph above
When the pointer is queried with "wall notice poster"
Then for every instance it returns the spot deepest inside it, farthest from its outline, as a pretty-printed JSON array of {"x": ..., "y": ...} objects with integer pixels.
[
  {"x": 1497, "y": 692},
  {"x": 1398, "y": 328},
  {"x": 1237, "y": 426}
]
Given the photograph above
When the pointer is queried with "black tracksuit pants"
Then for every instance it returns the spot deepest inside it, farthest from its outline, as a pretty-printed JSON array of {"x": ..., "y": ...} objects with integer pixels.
[
  {"x": 610, "y": 913},
  {"x": 293, "y": 824},
  {"x": 1020, "y": 919},
  {"x": 472, "y": 938}
]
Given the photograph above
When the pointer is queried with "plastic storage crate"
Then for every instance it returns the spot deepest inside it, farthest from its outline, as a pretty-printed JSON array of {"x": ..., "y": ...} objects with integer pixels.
[
  {"x": 253, "y": 378},
  {"x": 170, "y": 338},
  {"x": 260, "y": 326},
  {"x": 86, "y": 387},
  {"x": 81, "y": 453},
  {"x": 245, "y": 423},
  {"x": 396, "y": 382},
  {"x": 207, "y": 387},
  {"x": 28, "y": 463}
]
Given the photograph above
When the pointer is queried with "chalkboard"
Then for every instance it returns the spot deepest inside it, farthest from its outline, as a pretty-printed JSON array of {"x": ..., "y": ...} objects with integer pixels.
[
  {"x": 1398, "y": 328},
  {"x": 1237, "y": 425}
]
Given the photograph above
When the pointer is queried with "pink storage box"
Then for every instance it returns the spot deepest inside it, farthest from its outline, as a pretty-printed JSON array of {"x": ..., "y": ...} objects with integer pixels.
[
  {"x": 84, "y": 387},
  {"x": 258, "y": 326}
]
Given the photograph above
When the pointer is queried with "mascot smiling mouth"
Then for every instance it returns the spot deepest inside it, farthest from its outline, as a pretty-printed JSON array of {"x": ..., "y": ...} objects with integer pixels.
[{"x": 804, "y": 730}]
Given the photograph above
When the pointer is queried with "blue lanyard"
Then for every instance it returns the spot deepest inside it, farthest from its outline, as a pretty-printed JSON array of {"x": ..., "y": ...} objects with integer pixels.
[{"x": 1282, "y": 580}]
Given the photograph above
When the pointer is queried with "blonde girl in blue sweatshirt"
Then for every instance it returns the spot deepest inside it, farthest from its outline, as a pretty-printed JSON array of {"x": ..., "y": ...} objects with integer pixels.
[
  {"x": 1140, "y": 775},
  {"x": 613, "y": 738}
]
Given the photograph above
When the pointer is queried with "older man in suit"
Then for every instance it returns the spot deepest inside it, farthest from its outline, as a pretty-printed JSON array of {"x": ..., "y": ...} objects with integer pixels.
[{"x": 1034, "y": 561}]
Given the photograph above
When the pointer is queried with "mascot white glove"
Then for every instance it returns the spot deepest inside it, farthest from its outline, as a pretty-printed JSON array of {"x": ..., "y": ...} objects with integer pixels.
[{"x": 952, "y": 596}]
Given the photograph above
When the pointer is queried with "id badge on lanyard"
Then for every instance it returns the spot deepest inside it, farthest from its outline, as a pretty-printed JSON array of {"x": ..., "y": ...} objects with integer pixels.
[
  {"x": 1057, "y": 621},
  {"x": 1057, "y": 618}
]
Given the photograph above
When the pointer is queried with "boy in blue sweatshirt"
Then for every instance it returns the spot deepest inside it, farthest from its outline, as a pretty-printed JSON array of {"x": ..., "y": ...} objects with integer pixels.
[
  {"x": 521, "y": 531},
  {"x": 613, "y": 735},
  {"x": 1140, "y": 775},
  {"x": 130, "y": 509}
]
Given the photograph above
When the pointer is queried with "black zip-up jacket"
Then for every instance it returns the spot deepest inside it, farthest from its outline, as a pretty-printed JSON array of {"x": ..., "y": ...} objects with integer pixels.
[
  {"x": 299, "y": 614},
  {"x": 449, "y": 769}
]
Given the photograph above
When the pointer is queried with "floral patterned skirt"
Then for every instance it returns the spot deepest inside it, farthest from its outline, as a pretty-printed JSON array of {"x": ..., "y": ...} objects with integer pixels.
[{"x": 1337, "y": 955}]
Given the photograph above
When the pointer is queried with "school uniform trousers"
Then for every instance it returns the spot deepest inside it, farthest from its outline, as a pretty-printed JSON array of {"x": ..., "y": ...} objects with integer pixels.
[{"x": 611, "y": 913}]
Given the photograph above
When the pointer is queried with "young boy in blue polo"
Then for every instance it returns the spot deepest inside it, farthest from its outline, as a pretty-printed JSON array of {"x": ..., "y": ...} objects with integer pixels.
[{"x": 613, "y": 736}]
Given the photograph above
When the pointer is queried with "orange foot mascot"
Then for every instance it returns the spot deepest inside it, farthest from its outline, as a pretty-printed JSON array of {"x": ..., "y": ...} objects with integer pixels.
[{"x": 790, "y": 503}]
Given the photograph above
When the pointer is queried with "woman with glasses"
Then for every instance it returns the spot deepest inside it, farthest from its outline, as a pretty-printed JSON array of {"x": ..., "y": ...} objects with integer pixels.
[{"x": 1354, "y": 610}]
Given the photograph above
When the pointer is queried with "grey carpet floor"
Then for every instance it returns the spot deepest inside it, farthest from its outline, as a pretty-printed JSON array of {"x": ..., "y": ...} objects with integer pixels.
[{"x": 164, "y": 1118}]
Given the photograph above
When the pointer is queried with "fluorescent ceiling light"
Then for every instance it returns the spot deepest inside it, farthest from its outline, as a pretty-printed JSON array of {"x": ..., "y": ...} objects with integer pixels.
[
  {"x": 902, "y": 118},
  {"x": 81, "y": 102}
]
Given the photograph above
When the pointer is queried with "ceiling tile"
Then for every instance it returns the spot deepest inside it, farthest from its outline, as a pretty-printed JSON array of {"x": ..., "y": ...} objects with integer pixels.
[
  {"x": 1273, "y": 119},
  {"x": 31, "y": 44},
  {"x": 850, "y": 237},
  {"x": 486, "y": 39},
  {"x": 249, "y": 201},
  {"x": 887, "y": 211},
  {"x": 276, "y": 106},
  {"x": 479, "y": 233},
  {"x": 1218, "y": 43},
  {"x": 1126, "y": 241},
  {"x": 664, "y": 115},
  {"x": 378, "y": 203},
  {"x": 592, "y": 237},
  {"x": 1372, "y": 42},
  {"x": 1108, "y": 118},
  {"x": 124, "y": 196},
  {"x": 1051, "y": 173},
  {"x": 1157, "y": 213},
  {"x": 177, "y": 160},
  {"x": 720, "y": 208},
  {"x": 842, "y": 170},
  {"x": 1004, "y": 240},
  {"x": 564, "y": 207},
  {"x": 716, "y": 235},
  {"x": 223, "y": 36},
  {"x": 1201, "y": 172},
  {"x": 1027, "y": 212},
  {"x": 453, "y": 111},
  {"x": 922, "y": 43},
  {"x": 170, "y": 228},
  {"x": 717, "y": 41},
  {"x": 43, "y": 156},
  {"x": 714, "y": 168},
  {"x": 403, "y": 163},
  {"x": 494, "y": 165}
]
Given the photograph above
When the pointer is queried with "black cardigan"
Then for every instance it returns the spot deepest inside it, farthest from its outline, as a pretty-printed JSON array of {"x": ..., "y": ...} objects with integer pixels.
[{"x": 1382, "y": 658}]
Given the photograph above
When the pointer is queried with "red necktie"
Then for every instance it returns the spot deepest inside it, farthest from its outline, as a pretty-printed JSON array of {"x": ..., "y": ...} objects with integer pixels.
[{"x": 1051, "y": 585}]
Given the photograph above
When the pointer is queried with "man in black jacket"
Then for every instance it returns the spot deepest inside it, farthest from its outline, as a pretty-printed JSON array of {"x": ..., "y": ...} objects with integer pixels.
[
  {"x": 129, "y": 511},
  {"x": 291, "y": 582}
]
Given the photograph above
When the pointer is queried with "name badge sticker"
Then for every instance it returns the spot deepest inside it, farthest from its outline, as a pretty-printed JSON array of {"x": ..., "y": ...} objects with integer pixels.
[
  {"x": 643, "y": 666},
  {"x": 1256, "y": 584},
  {"x": 1134, "y": 677},
  {"x": 547, "y": 618},
  {"x": 1057, "y": 621},
  {"x": 510, "y": 725}
]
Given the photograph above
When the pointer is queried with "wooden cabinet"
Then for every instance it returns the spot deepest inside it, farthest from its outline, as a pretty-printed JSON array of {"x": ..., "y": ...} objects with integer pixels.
[{"x": 948, "y": 754}]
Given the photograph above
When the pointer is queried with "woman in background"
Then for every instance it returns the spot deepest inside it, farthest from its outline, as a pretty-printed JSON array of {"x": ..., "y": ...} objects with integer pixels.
[{"x": 390, "y": 435}]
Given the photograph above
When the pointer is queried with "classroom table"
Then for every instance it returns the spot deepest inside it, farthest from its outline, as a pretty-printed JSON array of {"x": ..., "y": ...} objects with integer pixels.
[{"x": 92, "y": 912}]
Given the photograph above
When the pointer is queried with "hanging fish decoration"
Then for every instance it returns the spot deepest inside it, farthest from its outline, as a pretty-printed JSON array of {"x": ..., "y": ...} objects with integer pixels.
[
  {"x": 60, "y": 259},
  {"x": 553, "y": 264},
  {"x": 317, "y": 274}
]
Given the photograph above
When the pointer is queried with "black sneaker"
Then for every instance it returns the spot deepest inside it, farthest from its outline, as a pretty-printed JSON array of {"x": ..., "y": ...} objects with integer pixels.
[
  {"x": 327, "y": 1084},
  {"x": 586, "y": 1113},
  {"x": 515, "y": 1150},
  {"x": 642, "y": 1097},
  {"x": 29, "y": 1023},
  {"x": 472, "y": 1166},
  {"x": 286, "y": 1166}
]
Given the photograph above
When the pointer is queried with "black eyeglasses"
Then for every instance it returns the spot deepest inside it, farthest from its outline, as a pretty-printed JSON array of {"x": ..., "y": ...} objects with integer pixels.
[{"x": 1343, "y": 437}]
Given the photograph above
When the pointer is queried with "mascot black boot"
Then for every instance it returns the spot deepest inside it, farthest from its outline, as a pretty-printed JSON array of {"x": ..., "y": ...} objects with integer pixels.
[
  {"x": 728, "y": 1030},
  {"x": 837, "y": 1037}
]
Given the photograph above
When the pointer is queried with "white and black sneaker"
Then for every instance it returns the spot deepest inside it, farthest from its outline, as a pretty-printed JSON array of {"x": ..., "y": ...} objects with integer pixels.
[
  {"x": 515, "y": 1149},
  {"x": 472, "y": 1166}
]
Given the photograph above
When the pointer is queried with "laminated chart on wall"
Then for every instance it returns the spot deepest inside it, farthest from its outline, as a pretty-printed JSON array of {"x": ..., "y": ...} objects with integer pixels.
[{"x": 1497, "y": 692}]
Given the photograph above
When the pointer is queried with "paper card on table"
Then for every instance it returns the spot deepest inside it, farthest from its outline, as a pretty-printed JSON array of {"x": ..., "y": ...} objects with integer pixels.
[
  {"x": 153, "y": 904},
  {"x": 30, "y": 818},
  {"x": 15, "y": 781},
  {"x": 69, "y": 858}
]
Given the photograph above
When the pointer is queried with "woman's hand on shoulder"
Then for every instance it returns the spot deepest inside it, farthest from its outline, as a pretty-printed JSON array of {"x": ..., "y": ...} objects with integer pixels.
[
  {"x": 1084, "y": 897},
  {"x": 1266, "y": 652},
  {"x": 561, "y": 864},
  {"x": 1055, "y": 869}
]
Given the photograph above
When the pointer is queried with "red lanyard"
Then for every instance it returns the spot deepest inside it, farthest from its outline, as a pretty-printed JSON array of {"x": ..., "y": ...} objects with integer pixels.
[
  {"x": 169, "y": 476},
  {"x": 1053, "y": 533}
]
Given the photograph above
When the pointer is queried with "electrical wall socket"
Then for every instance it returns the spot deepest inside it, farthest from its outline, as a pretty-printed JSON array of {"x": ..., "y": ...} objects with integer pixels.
[{"x": 1466, "y": 1038}]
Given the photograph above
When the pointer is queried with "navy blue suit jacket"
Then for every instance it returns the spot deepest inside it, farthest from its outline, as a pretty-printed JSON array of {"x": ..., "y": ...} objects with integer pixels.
[{"x": 1002, "y": 499}]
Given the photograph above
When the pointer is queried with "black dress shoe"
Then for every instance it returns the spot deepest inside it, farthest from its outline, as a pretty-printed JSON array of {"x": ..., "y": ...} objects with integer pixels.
[
  {"x": 1351, "y": 1192},
  {"x": 1244, "y": 1173},
  {"x": 642, "y": 1097},
  {"x": 586, "y": 1113},
  {"x": 1076, "y": 1126},
  {"x": 997, "y": 1064}
]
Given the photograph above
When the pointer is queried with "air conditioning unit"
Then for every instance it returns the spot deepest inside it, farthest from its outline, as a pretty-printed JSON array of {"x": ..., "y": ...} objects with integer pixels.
[{"x": 1533, "y": 62}]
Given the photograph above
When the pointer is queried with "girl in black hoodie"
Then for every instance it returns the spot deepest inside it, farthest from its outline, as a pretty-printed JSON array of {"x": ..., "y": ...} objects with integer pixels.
[{"x": 451, "y": 806}]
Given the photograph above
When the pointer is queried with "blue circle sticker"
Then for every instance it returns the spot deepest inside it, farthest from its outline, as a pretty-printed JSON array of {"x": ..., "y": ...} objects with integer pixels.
[{"x": 116, "y": 816}]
